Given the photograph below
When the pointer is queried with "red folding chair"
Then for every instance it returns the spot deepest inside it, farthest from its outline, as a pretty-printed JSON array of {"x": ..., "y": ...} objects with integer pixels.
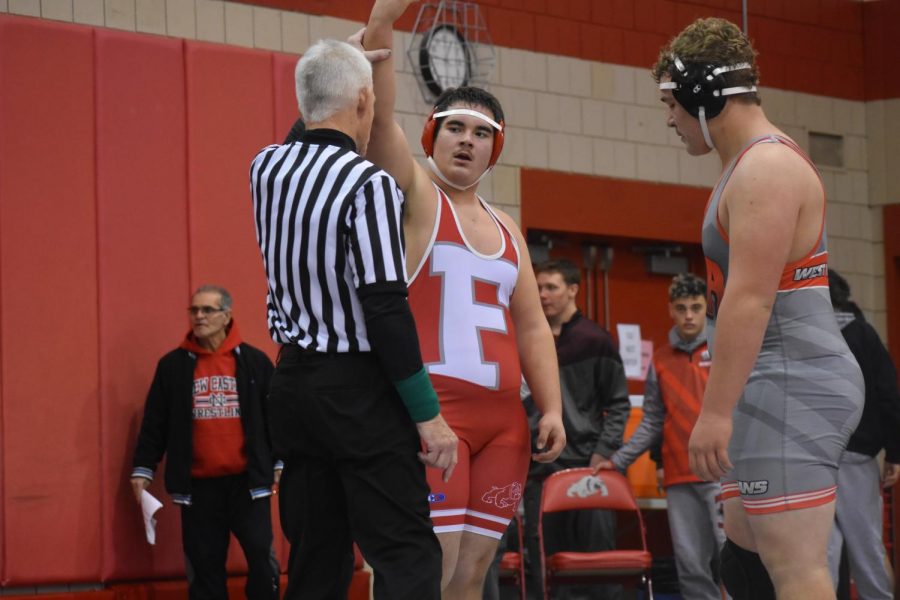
[
  {"x": 512, "y": 564},
  {"x": 579, "y": 489}
]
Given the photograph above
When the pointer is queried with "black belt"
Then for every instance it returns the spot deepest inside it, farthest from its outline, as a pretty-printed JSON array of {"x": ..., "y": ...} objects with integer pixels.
[{"x": 299, "y": 351}]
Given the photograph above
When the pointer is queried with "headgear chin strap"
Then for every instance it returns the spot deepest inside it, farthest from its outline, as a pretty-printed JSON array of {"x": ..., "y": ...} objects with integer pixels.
[
  {"x": 434, "y": 169},
  {"x": 700, "y": 89},
  {"x": 429, "y": 133}
]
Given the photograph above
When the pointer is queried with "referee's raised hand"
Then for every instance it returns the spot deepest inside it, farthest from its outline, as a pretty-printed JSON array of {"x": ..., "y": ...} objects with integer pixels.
[
  {"x": 373, "y": 56},
  {"x": 439, "y": 444}
]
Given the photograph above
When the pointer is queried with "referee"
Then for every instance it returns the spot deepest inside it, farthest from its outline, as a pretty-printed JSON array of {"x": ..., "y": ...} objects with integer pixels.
[{"x": 352, "y": 410}]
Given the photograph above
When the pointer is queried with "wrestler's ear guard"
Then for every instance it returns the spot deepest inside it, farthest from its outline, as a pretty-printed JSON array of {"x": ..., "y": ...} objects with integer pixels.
[{"x": 429, "y": 133}]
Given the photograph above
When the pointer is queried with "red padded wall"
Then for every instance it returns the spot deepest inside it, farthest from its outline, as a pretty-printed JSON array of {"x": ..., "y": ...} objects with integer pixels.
[
  {"x": 48, "y": 292},
  {"x": 170, "y": 208},
  {"x": 286, "y": 113},
  {"x": 144, "y": 283},
  {"x": 230, "y": 118}
]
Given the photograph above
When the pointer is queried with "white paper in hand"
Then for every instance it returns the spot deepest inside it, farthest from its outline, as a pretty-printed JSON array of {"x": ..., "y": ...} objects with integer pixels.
[{"x": 149, "y": 506}]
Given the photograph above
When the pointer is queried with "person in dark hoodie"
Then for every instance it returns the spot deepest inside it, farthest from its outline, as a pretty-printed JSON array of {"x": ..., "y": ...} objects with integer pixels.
[
  {"x": 205, "y": 411},
  {"x": 858, "y": 514},
  {"x": 595, "y": 410}
]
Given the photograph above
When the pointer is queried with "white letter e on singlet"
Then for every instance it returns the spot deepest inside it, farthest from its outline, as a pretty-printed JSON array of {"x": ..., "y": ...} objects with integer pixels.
[{"x": 462, "y": 318}]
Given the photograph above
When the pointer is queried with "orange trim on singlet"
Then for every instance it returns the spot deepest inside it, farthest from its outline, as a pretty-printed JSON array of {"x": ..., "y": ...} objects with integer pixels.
[
  {"x": 805, "y": 273},
  {"x": 719, "y": 226},
  {"x": 730, "y": 490},
  {"x": 811, "y": 269},
  {"x": 781, "y": 503}
]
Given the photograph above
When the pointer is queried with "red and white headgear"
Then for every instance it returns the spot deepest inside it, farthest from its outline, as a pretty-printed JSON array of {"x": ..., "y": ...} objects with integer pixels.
[{"x": 429, "y": 133}]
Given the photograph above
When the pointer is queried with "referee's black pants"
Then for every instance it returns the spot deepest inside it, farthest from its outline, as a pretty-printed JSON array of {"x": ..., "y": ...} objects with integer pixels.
[
  {"x": 351, "y": 474},
  {"x": 220, "y": 506}
]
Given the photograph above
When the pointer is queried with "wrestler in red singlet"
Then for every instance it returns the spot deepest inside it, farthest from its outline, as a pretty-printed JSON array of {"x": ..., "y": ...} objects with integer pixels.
[{"x": 460, "y": 300}]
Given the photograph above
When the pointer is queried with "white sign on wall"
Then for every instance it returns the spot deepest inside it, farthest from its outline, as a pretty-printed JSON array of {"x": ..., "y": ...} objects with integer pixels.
[{"x": 630, "y": 349}]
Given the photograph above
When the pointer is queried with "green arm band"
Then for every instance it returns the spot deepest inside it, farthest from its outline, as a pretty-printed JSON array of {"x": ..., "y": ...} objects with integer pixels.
[{"x": 419, "y": 396}]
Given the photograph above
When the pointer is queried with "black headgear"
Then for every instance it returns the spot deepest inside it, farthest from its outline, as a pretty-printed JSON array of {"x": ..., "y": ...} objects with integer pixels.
[{"x": 700, "y": 88}]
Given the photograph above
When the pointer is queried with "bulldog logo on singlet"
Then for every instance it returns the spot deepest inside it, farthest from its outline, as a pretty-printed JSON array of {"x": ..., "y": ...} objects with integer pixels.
[
  {"x": 505, "y": 496},
  {"x": 588, "y": 486}
]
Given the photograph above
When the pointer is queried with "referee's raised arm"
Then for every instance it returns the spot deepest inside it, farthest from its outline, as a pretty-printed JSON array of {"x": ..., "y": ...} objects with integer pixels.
[{"x": 352, "y": 410}]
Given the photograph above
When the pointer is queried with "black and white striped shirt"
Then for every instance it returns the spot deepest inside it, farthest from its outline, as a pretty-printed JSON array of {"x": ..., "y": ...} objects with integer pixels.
[{"x": 328, "y": 223}]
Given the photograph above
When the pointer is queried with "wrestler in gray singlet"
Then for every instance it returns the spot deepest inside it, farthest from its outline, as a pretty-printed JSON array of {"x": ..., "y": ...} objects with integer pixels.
[{"x": 804, "y": 396}]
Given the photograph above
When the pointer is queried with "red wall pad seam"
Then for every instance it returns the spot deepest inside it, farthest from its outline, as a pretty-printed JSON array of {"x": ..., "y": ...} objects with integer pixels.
[
  {"x": 285, "y": 94},
  {"x": 144, "y": 284},
  {"x": 230, "y": 118}
]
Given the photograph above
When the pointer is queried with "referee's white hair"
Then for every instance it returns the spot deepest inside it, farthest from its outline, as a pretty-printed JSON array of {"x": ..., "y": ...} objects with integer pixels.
[{"x": 328, "y": 78}]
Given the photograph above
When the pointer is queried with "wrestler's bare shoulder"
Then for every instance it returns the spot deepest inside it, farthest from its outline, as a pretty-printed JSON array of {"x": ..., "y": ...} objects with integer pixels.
[{"x": 773, "y": 167}]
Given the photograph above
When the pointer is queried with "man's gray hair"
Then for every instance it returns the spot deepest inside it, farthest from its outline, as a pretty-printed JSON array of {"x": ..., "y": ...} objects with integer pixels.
[
  {"x": 329, "y": 77},
  {"x": 217, "y": 289}
]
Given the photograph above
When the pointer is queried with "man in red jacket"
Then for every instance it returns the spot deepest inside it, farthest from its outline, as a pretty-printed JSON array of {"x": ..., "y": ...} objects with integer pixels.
[
  {"x": 672, "y": 398},
  {"x": 205, "y": 412}
]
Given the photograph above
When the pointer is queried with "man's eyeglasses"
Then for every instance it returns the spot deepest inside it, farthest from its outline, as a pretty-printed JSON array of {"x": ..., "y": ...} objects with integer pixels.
[{"x": 204, "y": 310}]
